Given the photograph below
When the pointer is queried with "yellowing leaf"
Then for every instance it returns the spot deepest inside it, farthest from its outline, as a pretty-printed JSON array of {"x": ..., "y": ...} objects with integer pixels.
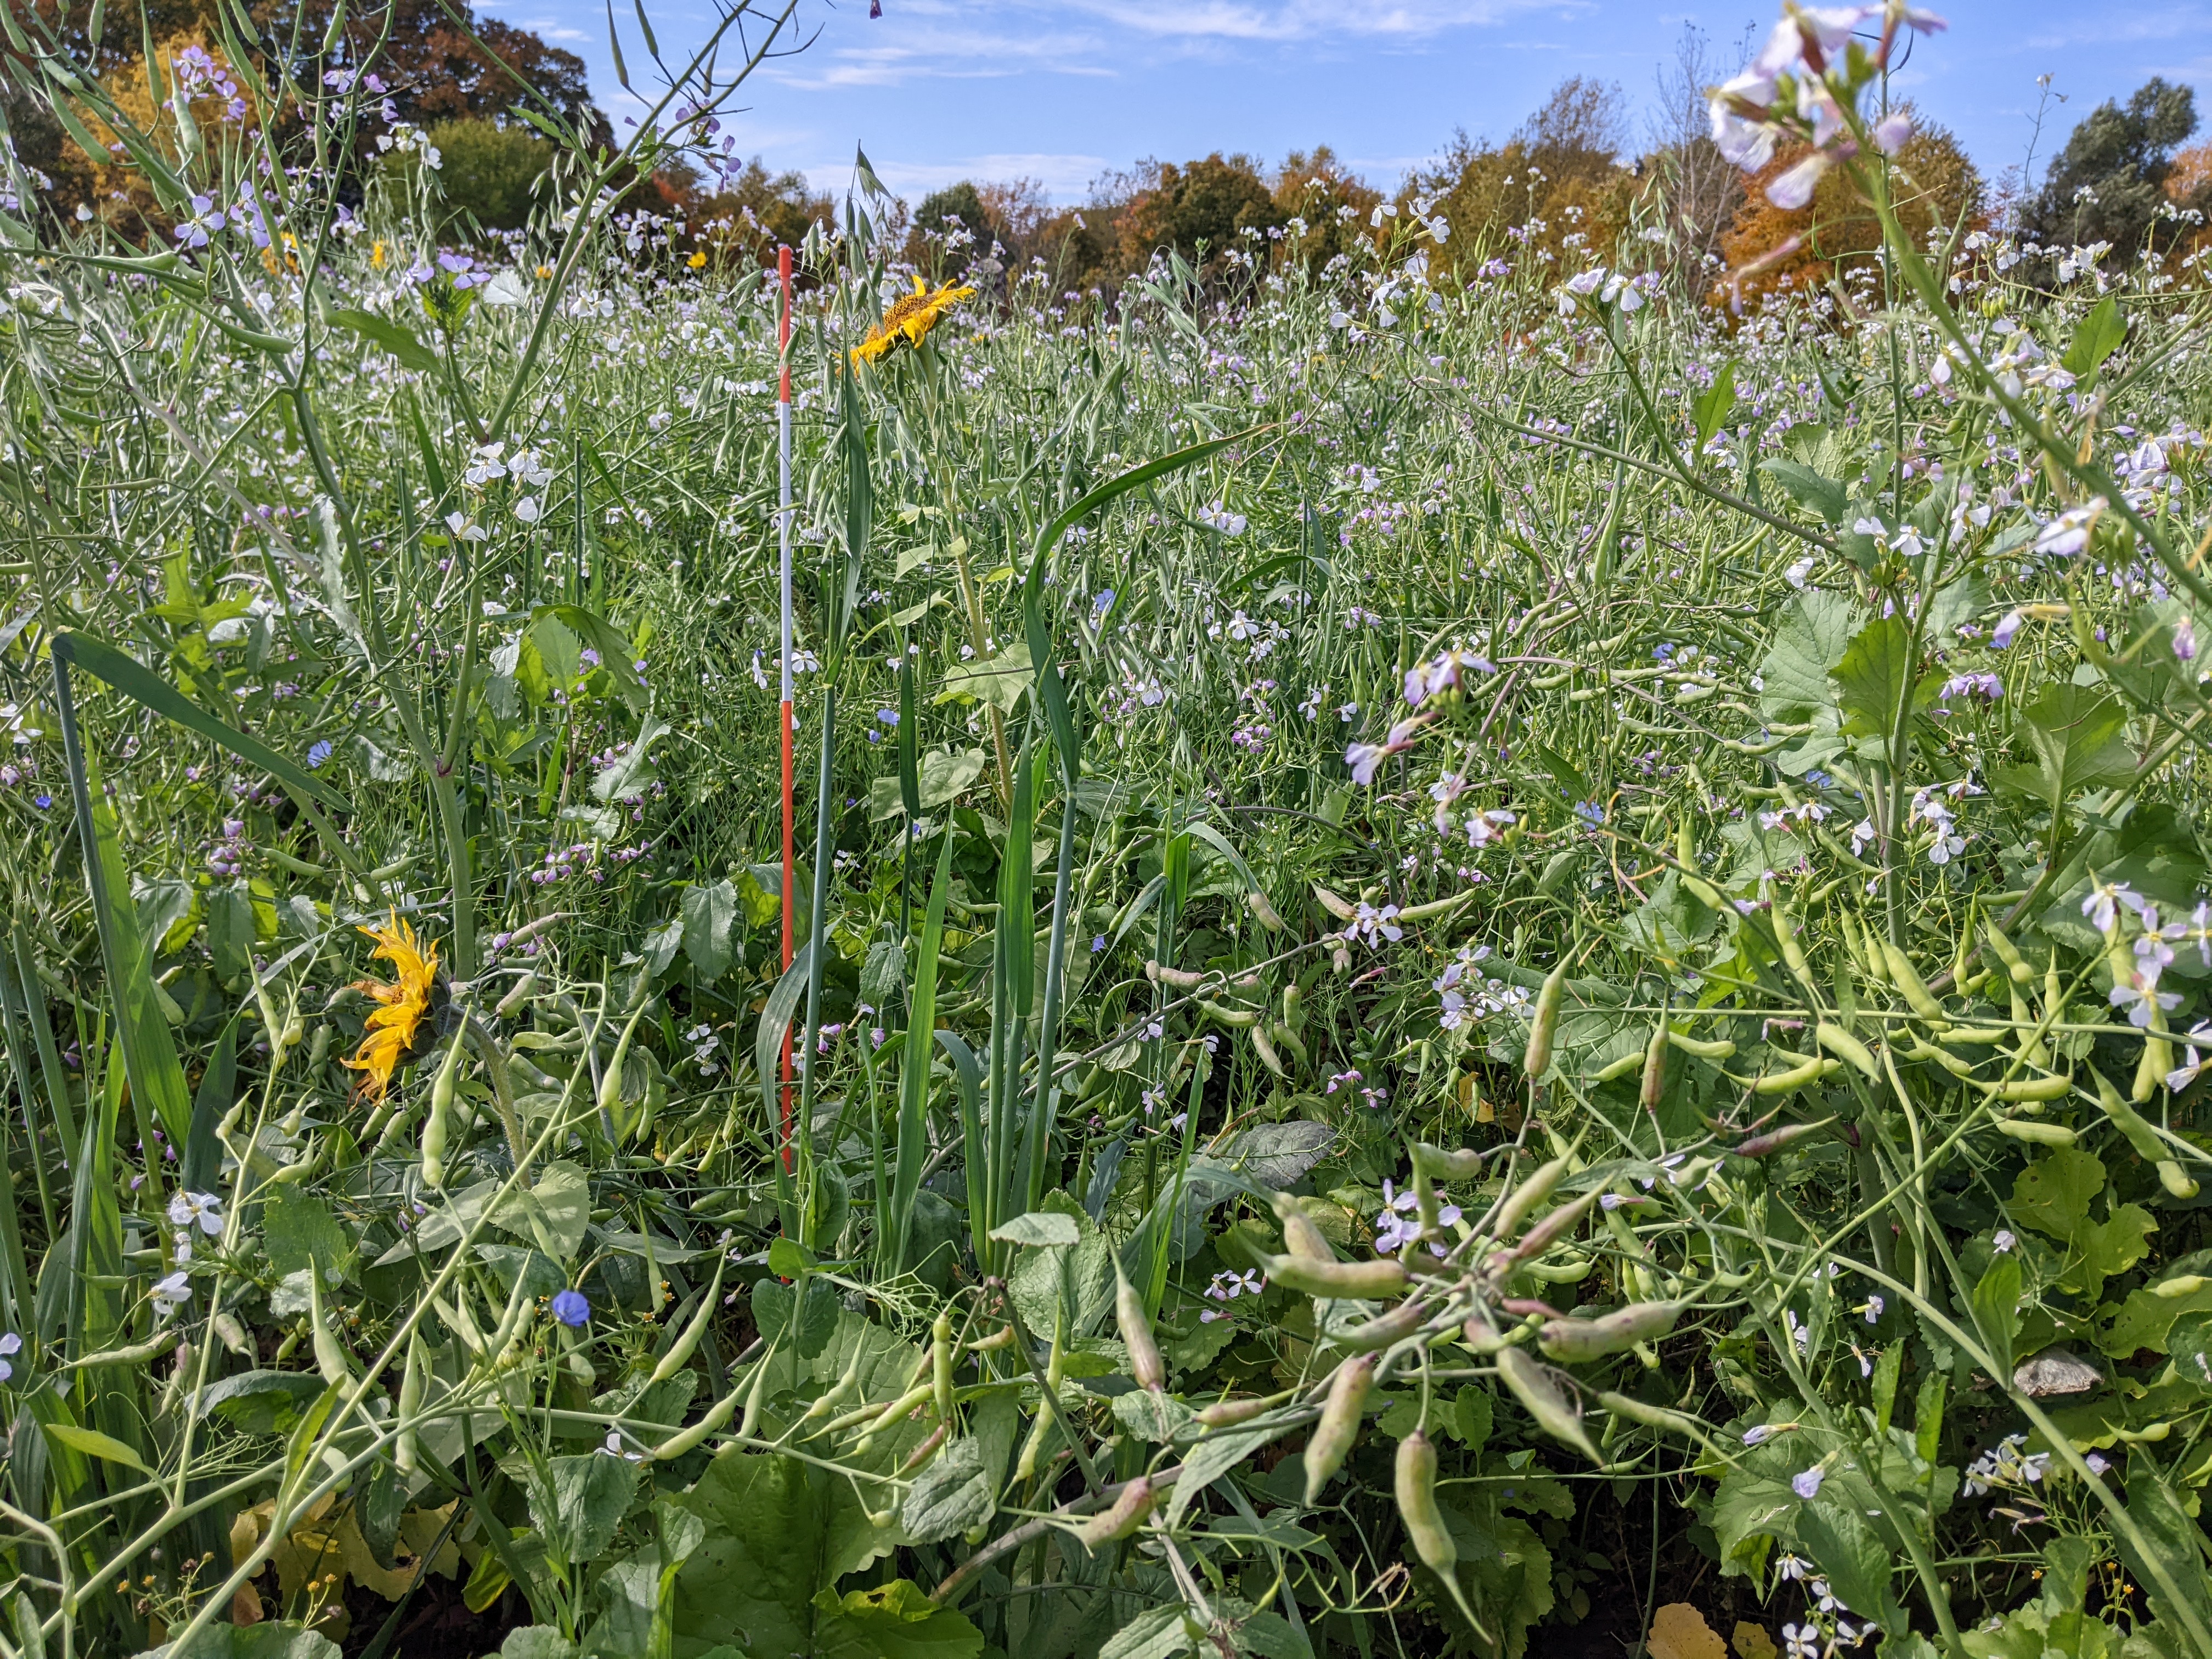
[
  {"x": 1679, "y": 1630},
  {"x": 1751, "y": 1642}
]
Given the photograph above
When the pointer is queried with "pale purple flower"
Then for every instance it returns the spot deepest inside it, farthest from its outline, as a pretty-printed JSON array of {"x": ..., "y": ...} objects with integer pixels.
[
  {"x": 1891, "y": 132},
  {"x": 1807, "y": 1482}
]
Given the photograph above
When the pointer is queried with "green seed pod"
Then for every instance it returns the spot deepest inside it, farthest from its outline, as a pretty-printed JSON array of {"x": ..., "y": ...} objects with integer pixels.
[
  {"x": 2172, "y": 1289},
  {"x": 1381, "y": 1331},
  {"x": 521, "y": 994},
  {"x": 1127, "y": 1513},
  {"x": 2157, "y": 1060},
  {"x": 1910, "y": 984},
  {"x": 439, "y": 1124},
  {"x": 1553, "y": 1227},
  {"x": 2127, "y": 1120},
  {"x": 2042, "y": 1134},
  {"x": 927, "y": 1449},
  {"x": 1654, "y": 1082},
  {"x": 319, "y": 1051},
  {"x": 1442, "y": 1165},
  {"x": 331, "y": 1358},
  {"x": 673, "y": 1360},
  {"x": 940, "y": 1364},
  {"x": 2017, "y": 968},
  {"x": 1797, "y": 1077},
  {"x": 1144, "y": 1362},
  {"x": 1355, "y": 1280},
  {"x": 1417, "y": 1505},
  {"x": 2176, "y": 1183},
  {"x": 2029, "y": 1088},
  {"x": 1701, "y": 1047},
  {"x": 414, "y": 1373},
  {"x": 685, "y": 1440},
  {"x": 2054, "y": 992},
  {"x": 1843, "y": 1046},
  {"x": 1228, "y": 1413},
  {"x": 1572, "y": 1340},
  {"x": 1785, "y": 935},
  {"x": 1654, "y": 1417},
  {"x": 1517, "y": 1205},
  {"x": 1033, "y": 1447},
  {"x": 754, "y": 1398},
  {"x": 1775, "y": 1139},
  {"x": 1536, "y": 1059},
  {"x": 1332, "y": 1438},
  {"x": 1542, "y": 1398},
  {"x": 610, "y": 1079},
  {"x": 1300, "y": 1237}
]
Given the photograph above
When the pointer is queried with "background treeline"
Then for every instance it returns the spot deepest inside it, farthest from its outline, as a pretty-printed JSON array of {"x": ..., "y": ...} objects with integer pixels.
[{"x": 1582, "y": 181}]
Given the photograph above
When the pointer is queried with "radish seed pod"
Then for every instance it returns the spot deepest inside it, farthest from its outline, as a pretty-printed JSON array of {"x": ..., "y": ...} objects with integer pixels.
[{"x": 1339, "y": 1427}]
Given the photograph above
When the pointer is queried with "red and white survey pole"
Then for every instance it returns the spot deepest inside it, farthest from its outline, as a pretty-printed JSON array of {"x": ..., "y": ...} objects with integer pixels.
[{"x": 783, "y": 532}]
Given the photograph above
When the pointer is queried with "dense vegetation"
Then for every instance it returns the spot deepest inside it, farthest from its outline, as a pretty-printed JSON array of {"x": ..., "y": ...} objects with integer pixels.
[{"x": 1483, "y": 959}]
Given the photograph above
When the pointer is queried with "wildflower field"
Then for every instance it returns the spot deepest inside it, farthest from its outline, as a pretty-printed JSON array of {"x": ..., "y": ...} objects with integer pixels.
[{"x": 1483, "y": 955}]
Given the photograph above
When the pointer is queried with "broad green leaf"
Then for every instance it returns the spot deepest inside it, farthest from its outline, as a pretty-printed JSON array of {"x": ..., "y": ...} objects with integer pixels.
[
  {"x": 1001, "y": 681},
  {"x": 276, "y": 1639},
  {"x": 710, "y": 936},
  {"x": 577, "y": 1502},
  {"x": 537, "y": 1641},
  {"x": 2096, "y": 338},
  {"x": 1159, "y": 1632},
  {"x": 2053, "y": 1194},
  {"x": 953, "y": 1493},
  {"x": 2078, "y": 735},
  {"x": 395, "y": 337},
  {"x": 230, "y": 933},
  {"x": 1849, "y": 1554},
  {"x": 93, "y": 1443},
  {"x": 552, "y": 1214},
  {"x": 1716, "y": 405},
  {"x": 778, "y": 1531},
  {"x": 1997, "y": 1308},
  {"x": 895, "y": 1621},
  {"x": 1045, "y": 1229},
  {"x": 298, "y": 1230},
  {"x": 2169, "y": 1563},
  {"x": 943, "y": 775},
  {"x": 2189, "y": 1344},
  {"x": 632, "y": 774},
  {"x": 1808, "y": 489},
  {"x": 1873, "y": 679},
  {"x": 1814, "y": 632}
]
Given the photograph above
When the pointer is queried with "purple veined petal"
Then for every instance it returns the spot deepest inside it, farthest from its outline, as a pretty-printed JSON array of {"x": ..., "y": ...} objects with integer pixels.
[{"x": 1891, "y": 132}]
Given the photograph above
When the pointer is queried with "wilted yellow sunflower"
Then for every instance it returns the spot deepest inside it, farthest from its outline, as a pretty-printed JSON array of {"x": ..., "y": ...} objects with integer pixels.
[
  {"x": 910, "y": 318},
  {"x": 392, "y": 1030}
]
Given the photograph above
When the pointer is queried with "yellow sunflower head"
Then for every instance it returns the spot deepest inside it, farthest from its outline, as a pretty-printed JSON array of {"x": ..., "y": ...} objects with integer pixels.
[
  {"x": 910, "y": 318},
  {"x": 395, "y": 1029}
]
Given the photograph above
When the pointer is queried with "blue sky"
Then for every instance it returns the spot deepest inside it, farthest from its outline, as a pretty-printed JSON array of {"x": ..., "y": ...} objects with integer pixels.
[{"x": 937, "y": 91}]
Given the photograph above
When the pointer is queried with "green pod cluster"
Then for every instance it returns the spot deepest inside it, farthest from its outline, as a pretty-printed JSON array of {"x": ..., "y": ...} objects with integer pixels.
[{"x": 439, "y": 1125}]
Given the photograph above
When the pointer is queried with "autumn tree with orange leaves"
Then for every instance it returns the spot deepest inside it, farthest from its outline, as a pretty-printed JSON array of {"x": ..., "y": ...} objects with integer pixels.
[{"x": 1829, "y": 245}]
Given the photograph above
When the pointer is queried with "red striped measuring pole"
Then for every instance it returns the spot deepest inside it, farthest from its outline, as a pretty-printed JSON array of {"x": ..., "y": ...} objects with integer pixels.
[{"x": 783, "y": 531}]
